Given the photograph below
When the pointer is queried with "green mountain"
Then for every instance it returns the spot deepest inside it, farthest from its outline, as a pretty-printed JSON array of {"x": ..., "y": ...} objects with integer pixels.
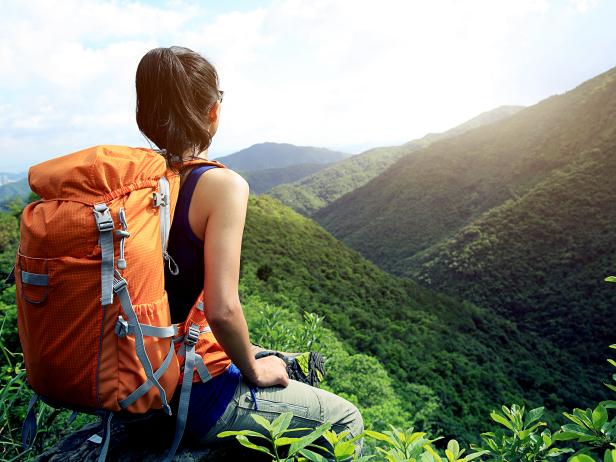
[
  {"x": 454, "y": 357},
  {"x": 262, "y": 180},
  {"x": 276, "y": 155},
  {"x": 15, "y": 189},
  {"x": 320, "y": 189},
  {"x": 429, "y": 195},
  {"x": 540, "y": 259}
]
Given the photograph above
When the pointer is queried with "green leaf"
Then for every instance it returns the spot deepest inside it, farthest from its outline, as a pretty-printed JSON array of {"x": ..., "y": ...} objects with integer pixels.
[
  {"x": 250, "y": 445},
  {"x": 583, "y": 431},
  {"x": 281, "y": 423},
  {"x": 565, "y": 436},
  {"x": 454, "y": 448},
  {"x": 610, "y": 279},
  {"x": 581, "y": 458},
  {"x": 331, "y": 437},
  {"x": 501, "y": 420},
  {"x": 599, "y": 417},
  {"x": 555, "y": 452},
  {"x": 433, "y": 453},
  {"x": 309, "y": 438},
  {"x": 533, "y": 415},
  {"x": 262, "y": 421},
  {"x": 474, "y": 455},
  {"x": 381, "y": 437},
  {"x": 284, "y": 441},
  {"x": 610, "y": 455},
  {"x": 344, "y": 450},
  {"x": 242, "y": 432},
  {"x": 312, "y": 456},
  {"x": 575, "y": 419}
]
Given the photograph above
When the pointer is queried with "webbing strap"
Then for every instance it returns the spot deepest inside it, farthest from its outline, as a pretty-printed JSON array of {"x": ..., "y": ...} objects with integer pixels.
[
  {"x": 148, "y": 384},
  {"x": 189, "y": 366},
  {"x": 123, "y": 328},
  {"x": 28, "y": 428},
  {"x": 202, "y": 370},
  {"x": 182, "y": 349},
  {"x": 165, "y": 212},
  {"x": 106, "y": 436},
  {"x": 34, "y": 279},
  {"x": 104, "y": 223},
  {"x": 120, "y": 287}
]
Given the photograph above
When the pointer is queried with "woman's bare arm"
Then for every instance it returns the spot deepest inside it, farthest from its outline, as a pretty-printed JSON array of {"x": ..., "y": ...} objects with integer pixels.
[{"x": 219, "y": 216}]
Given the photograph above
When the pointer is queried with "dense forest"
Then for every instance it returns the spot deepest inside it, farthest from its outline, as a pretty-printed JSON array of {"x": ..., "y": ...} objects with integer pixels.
[{"x": 404, "y": 354}]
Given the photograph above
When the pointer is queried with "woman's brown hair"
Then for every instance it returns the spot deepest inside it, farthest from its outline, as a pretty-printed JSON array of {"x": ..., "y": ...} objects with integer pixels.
[{"x": 176, "y": 88}]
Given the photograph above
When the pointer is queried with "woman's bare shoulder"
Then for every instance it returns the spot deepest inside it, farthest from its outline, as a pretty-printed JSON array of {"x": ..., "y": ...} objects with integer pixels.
[{"x": 222, "y": 184}]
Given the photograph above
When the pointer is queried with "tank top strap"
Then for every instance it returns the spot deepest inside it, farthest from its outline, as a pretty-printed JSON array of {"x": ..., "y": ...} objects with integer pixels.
[{"x": 185, "y": 196}]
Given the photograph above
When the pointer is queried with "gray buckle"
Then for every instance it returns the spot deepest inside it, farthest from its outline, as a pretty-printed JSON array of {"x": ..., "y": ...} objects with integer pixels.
[
  {"x": 160, "y": 199},
  {"x": 121, "y": 327},
  {"x": 192, "y": 335},
  {"x": 119, "y": 284},
  {"x": 102, "y": 215}
]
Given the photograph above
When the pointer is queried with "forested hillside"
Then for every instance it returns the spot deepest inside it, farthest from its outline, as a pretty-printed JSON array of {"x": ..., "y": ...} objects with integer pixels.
[
  {"x": 430, "y": 195},
  {"x": 460, "y": 357},
  {"x": 516, "y": 217},
  {"x": 320, "y": 189},
  {"x": 261, "y": 181},
  {"x": 540, "y": 259}
]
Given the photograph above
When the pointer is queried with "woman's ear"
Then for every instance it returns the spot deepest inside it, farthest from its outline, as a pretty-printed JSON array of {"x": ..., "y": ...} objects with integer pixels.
[{"x": 214, "y": 113}]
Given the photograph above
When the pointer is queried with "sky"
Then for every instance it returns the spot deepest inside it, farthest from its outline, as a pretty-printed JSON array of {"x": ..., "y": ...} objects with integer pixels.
[{"x": 348, "y": 75}]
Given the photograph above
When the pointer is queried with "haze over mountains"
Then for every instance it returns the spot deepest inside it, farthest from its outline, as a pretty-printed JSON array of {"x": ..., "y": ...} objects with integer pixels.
[{"x": 320, "y": 189}]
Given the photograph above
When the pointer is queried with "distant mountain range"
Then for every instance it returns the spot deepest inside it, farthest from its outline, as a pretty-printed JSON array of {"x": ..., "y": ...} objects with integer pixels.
[
  {"x": 261, "y": 181},
  {"x": 316, "y": 191},
  {"x": 13, "y": 189},
  {"x": 269, "y": 155},
  {"x": 10, "y": 177}
]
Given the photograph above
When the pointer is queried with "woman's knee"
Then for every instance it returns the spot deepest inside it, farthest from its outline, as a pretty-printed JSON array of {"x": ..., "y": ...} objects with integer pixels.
[{"x": 343, "y": 414}]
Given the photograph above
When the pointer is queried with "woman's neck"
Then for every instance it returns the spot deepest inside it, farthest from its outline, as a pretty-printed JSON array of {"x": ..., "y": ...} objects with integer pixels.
[{"x": 202, "y": 155}]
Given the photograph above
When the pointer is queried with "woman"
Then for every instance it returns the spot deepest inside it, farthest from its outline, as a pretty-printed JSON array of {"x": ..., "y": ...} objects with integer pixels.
[{"x": 178, "y": 108}]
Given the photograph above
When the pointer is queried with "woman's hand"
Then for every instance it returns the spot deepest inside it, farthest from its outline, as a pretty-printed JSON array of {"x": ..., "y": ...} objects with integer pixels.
[{"x": 270, "y": 371}]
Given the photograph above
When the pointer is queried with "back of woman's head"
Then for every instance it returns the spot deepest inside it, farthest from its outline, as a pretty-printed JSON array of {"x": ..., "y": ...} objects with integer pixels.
[{"x": 176, "y": 88}]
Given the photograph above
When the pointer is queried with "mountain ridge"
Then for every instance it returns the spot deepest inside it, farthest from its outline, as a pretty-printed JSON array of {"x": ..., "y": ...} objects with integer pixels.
[
  {"x": 426, "y": 196},
  {"x": 269, "y": 154},
  {"x": 316, "y": 191}
]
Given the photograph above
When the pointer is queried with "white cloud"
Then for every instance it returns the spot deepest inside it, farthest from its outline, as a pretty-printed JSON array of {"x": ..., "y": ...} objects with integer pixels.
[{"x": 322, "y": 72}]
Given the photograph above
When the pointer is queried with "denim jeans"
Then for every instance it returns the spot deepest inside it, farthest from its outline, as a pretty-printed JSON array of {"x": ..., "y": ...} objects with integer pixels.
[{"x": 310, "y": 407}]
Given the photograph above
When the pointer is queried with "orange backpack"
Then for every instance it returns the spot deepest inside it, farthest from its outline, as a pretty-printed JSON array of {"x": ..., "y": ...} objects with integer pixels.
[{"x": 93, "y": 315}]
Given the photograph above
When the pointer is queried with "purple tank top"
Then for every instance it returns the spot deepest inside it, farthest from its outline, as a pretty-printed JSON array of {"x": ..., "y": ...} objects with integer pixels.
[{"x": 186, "y": 249}]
